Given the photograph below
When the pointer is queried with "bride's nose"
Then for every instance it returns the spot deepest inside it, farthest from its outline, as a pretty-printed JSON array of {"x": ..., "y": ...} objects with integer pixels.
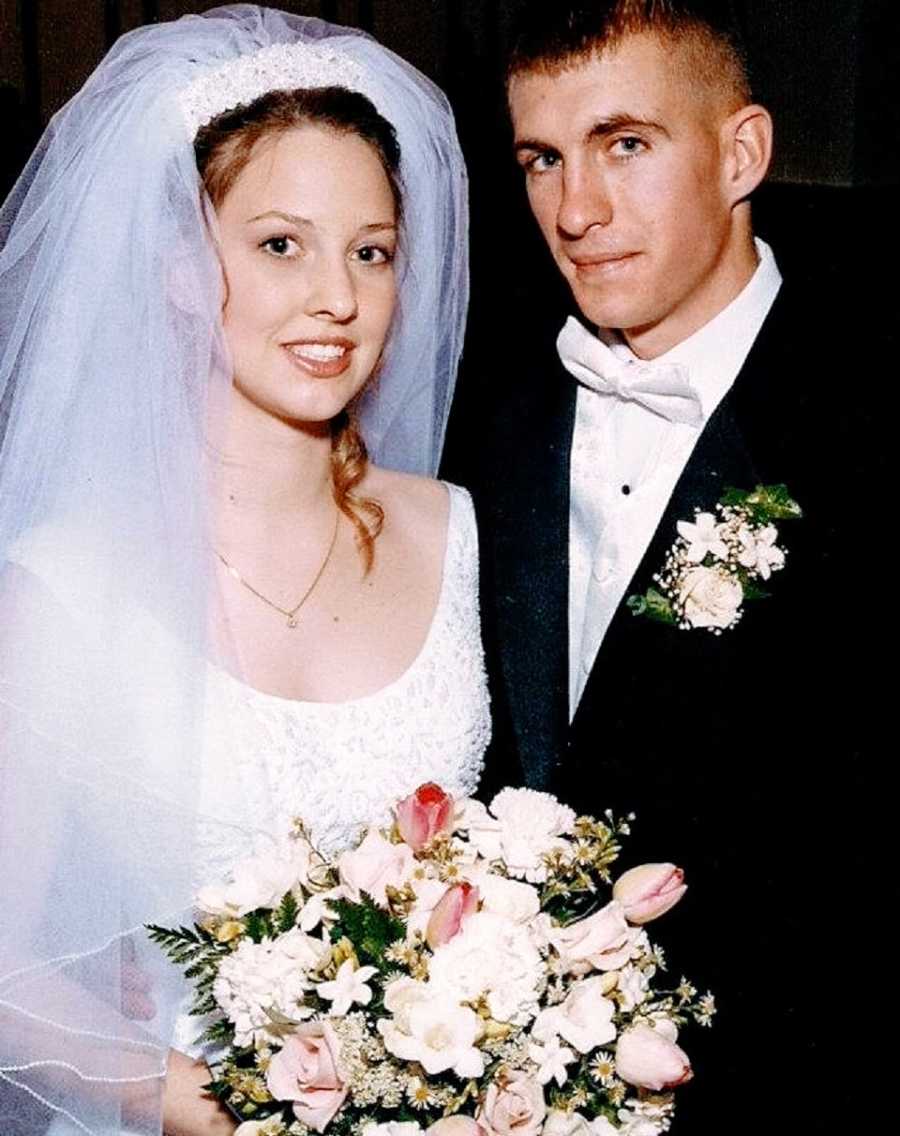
[{"x": 331, "y": 290}]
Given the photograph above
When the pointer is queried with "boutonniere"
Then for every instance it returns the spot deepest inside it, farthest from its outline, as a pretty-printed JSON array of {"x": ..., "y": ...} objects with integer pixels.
[{"x": 720, "y": 560}]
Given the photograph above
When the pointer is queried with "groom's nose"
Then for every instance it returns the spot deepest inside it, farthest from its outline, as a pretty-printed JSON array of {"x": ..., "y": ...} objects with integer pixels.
[{"x": 584, "y": 200}]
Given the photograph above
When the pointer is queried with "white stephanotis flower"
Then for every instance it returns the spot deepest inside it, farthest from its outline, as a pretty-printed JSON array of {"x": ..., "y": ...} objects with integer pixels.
[
  {"x": 759, "y": 552},
  {"x": 523, "y": 826},
  {"x": 348, "y": 986},
  {"x": 261, "y": 977},
  {"x": 633, "y": 987},
  {"x": 551, "y": 1059},
  {"x": 645, "y": 1118},
  {"x": 561, "y": 1123},
  {"x": 704, "y": 537},
  {"x": 495, "y": 959},
  {"x": 316, "y": 910},
  {"x": 431, "y": 1027}
]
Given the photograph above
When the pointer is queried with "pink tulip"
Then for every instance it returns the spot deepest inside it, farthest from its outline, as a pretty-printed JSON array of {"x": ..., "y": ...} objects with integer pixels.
[
  {"x": 645, "y": 1057},
  {"x": 649, "y": 891},
  {"x": 424, "y": 815},
  {"x": 450, "y": 913}
]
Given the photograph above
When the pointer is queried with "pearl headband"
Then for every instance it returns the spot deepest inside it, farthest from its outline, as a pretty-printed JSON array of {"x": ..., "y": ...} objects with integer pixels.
[{"x": 280, "y": 67}]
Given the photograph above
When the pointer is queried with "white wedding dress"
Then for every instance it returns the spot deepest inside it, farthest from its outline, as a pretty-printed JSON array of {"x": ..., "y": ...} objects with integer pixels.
[{"x": 338, "y": 767}]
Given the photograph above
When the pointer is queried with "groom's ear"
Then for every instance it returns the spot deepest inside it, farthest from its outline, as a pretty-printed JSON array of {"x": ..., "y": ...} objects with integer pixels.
[{"x": 746, "y": 141}]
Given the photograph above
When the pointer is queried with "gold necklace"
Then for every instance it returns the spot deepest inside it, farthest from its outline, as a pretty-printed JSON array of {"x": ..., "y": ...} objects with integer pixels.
[{"x": 290, "y": 614}]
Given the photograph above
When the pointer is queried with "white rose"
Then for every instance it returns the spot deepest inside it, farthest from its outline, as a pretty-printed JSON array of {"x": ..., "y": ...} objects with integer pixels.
[
  {"x": 584, "y": 1019},
  {"x": 526, "y": 825},
  {"x": 375, "y": 865},
  {"x": 400, "y": 996},
  {"x": 711, "y": 597},
  {"x": 436, "y": 1031},
  {"x": 493, "y": 958},
  {"x": 513, "y": 1106},
  {"x": 259, "y": 881},
  {"x": 603, "y": 941}
]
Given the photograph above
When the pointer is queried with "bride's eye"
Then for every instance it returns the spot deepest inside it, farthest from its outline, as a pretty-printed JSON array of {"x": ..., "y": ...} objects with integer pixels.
[
  {"x": 280, "y": 246},
  {"x": 374, "y": 254}
]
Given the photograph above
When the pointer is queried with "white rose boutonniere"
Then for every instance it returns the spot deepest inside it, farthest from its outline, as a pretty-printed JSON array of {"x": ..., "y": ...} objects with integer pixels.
[{"x": 718, "y": 561}]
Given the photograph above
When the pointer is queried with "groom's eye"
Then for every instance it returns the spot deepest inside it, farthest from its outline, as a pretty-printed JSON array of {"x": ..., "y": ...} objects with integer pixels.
[
  {"x": 628, "y": 146},
  {"x": 541, "y": 162}
]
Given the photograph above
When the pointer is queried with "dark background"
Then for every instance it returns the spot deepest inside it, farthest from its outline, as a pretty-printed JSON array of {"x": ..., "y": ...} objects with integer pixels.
[{"x": 821, "y": 66}]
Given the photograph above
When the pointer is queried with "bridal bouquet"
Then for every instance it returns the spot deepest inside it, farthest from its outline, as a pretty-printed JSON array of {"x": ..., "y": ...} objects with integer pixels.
[{"x": 472, "y": 971}]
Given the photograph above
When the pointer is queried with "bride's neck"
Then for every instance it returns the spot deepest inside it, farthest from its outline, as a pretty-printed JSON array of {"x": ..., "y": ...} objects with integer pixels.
[{"x": 269, "y": 469}]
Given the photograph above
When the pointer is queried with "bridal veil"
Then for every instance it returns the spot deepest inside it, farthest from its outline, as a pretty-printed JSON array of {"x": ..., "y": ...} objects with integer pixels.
[{"x": 112, "y": 367}]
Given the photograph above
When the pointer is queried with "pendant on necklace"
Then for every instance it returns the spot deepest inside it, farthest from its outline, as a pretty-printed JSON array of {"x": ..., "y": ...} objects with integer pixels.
[{"x": 292, "y": 621}]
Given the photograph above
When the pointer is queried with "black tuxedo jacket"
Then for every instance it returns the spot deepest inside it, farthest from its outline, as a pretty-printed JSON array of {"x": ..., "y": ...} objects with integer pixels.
[{"x": 748, "y": 757}]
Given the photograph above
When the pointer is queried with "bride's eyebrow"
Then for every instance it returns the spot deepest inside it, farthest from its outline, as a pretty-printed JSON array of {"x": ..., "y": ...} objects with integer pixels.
[
  {"x": 379, "y": 227},
  {"x": 277, "y": 214}
]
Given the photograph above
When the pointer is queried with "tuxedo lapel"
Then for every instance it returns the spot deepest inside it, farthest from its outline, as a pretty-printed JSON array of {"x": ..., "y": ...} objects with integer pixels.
[{"x": 531, "y": 533}]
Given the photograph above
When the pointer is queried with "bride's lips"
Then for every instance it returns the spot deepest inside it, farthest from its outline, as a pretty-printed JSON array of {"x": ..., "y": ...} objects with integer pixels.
[{"x": 321, "y": 358}]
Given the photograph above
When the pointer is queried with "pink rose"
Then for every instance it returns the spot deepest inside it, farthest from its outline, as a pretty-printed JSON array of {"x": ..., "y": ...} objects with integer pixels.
[
  {"x": 450, "y": 913},
  {"x": 455, "y": 1126},
  {"x": 649, "y": 891},
  {"x": 305, "y": 1071},
  {"x": 373, "y": 866},
  {"x": 424, "y": 815},
  {"x": 603, "y": 941},
  {"x": 645, "y": 1057},
  {"x": 513, "y": 1107}
]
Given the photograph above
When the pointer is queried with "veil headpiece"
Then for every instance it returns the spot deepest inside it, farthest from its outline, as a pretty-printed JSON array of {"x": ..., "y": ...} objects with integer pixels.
[{"x": 111, "y": 365}]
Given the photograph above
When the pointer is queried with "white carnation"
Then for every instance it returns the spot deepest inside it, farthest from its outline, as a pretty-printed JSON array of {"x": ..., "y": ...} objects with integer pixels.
[
  {"x": 494, "y": 958},
  {"x": 526, "y": 826},
  {"x": 261, "y": 977},
  {"x": 511, "y": 899}
]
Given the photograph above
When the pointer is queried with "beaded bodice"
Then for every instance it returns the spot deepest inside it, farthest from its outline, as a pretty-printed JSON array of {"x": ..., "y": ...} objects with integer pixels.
[{"x": 340, "y": 766}]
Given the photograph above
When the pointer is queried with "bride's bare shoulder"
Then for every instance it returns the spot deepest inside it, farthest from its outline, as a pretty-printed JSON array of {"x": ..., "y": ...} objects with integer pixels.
[{"x": 410, "y": 502}]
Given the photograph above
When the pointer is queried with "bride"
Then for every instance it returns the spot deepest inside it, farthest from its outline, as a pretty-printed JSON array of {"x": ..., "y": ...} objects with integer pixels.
[{"x": 234, "y": 267}]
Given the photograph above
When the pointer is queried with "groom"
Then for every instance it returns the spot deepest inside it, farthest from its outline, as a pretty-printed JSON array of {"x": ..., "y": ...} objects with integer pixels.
[{"x": 685, "y": 365}]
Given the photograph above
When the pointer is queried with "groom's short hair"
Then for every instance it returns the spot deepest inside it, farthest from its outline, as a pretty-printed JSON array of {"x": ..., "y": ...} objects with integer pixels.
[{"x": 551, "y": 37}]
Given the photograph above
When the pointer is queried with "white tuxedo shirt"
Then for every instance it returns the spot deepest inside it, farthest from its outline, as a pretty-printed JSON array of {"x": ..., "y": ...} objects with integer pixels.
[{"x": 626, "y": 461}]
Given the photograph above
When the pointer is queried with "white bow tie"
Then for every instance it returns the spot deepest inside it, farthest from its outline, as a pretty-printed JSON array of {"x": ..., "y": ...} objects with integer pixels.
[{"x": 660, "y": 387}]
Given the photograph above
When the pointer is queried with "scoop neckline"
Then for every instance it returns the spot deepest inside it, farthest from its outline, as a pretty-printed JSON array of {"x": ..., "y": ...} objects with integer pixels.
[{"x": 256, "y": 694}]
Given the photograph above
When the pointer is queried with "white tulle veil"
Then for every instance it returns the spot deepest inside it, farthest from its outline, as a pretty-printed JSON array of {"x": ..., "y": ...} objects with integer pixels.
[{"x": 112, "y": 366}]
